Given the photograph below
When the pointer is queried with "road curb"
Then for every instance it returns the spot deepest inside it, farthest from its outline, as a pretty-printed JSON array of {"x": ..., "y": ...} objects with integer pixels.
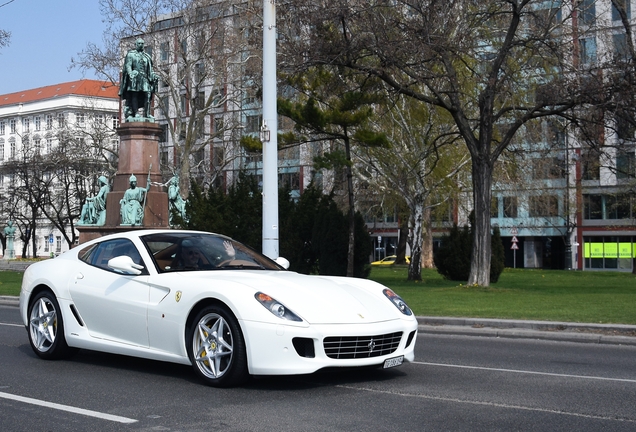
[
  {"x": 615, "y": 334},
  {"x": 9, "y": 301}
]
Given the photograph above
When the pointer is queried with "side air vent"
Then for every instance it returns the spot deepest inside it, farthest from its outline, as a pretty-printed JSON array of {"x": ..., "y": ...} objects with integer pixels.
[{"x": 76, "y": 315}]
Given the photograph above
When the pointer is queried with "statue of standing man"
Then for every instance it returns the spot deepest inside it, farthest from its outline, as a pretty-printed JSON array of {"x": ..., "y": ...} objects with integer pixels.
[{"x": 138, "y": 84}]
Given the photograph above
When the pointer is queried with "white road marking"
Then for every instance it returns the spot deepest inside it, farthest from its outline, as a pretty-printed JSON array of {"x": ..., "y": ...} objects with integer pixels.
[
  {"x": 490, "y": 404},
  {"x": 12, "y": 325},
  {"x": 528, "y": 372},
  {"x": 67, "y": 408}
]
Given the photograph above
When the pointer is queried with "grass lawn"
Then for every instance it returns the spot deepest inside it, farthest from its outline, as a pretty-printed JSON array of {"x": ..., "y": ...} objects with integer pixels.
[
  {"x": 552, "y": 295},
  {"x": 10, "y": 283}
]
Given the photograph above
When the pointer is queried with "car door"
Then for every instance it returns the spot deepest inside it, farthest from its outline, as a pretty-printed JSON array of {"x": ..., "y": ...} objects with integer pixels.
[{"x": 113, "y": 306}]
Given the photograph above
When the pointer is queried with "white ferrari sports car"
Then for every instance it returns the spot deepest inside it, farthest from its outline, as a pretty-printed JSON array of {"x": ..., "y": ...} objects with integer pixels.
[{"x": 206, "y": 300}]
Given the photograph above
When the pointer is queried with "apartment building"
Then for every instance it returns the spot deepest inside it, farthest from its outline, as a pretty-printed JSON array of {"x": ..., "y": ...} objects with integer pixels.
[
  {"x": 574, "y": 206},
  {"x": 34, "y": 124}
]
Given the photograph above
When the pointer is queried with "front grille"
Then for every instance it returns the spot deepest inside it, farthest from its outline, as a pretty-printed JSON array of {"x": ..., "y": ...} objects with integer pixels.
[{"x": 355, "y": 347}]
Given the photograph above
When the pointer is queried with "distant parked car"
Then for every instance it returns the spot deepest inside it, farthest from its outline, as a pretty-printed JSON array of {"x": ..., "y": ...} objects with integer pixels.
[{"x": 390, "y": 260}]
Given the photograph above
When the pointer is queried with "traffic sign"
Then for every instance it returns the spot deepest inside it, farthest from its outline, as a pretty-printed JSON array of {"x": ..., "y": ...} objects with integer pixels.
[
  {"x": 514, "y": 246},
  {"x": 514, "y": 239}
]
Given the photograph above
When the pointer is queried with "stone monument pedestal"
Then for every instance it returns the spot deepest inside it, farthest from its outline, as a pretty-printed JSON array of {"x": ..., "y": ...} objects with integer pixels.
[{"x": 138, "y": 156}]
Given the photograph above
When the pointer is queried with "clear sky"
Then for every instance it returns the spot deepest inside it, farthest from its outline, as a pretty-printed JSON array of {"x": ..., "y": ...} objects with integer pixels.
[{"x": 45, "y": 35}]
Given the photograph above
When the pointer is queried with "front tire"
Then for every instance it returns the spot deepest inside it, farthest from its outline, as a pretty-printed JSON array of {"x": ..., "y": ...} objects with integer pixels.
[
  {"x": 216, "y": 347},
  {"x": 46, "y": 327}
]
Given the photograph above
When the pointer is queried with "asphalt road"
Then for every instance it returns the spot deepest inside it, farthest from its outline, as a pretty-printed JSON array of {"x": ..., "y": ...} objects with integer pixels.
[{"x": 457, "y": 383}]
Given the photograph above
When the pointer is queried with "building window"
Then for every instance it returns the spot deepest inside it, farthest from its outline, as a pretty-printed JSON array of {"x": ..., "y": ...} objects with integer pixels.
[
  {"x": 253, "y": 123},
  {"x": 609, "y": 252},
  {"x": 37, "y": 145},
  {"x": 621, "y": 51},
  {"x": 164, "y": 133},
  {"x": 46, "y": 243},
  {"x": 164, "y": 105},
  {"x": 590, "y": 165},
  {"x": 199, "y": 101},
  {"x": 12, "y": 126},
  {"x": 218, "y": 124},
  {"x": 587, "y": 47},
  {"x": 592, "y": 207},
  {"x": 58, "y": 244},
  {"x": 49, "y": 145},
  {"x": 199, "y": 72},
  {"x": 164, "y": 51},
  {"x": 25, "y": 125},
  {"x": 510, "y": 207},
  {"x": 80, "y": 119},
  {"x": 601, "y": 207},
  {"x": 115, "y": 121},
  {"x": 49, "y": 122},
  {"x": 548, "y": 168},
  {"x": 587, "y": 12},
  {"x": 625, "y": 164},
  {"x": 543, "y": 206},
  {"x": 12, "y": 148},
  {"x": 1, "y": 149},
  {"x": 61, "y": 120},
  {"x": 624, "y": 5},
  {"x": 37, "y": 123},
  {"x": 2, "y": 128}
]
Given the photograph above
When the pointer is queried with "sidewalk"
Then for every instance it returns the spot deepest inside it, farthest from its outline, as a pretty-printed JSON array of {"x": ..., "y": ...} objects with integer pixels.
[{"x": 615, "y": 334}]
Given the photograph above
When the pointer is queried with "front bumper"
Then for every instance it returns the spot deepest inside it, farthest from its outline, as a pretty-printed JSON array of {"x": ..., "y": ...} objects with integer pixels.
[{"x": 271, "y": 350}]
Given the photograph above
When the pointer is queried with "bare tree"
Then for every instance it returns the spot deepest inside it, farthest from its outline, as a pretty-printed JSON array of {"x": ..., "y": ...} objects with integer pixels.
[
  {"x": 492, "y": 66},
  {"x": 418, "y": 165}
]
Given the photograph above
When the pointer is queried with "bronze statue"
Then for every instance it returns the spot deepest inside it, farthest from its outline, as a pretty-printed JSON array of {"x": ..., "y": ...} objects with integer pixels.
[
  {"x": 133, "y": 203},
  {"x": 94, "y": 209},
  {"x": 176, "y": 203},
  {"x": 138, "y": 84},
  {"x": 9, "y": 232}
]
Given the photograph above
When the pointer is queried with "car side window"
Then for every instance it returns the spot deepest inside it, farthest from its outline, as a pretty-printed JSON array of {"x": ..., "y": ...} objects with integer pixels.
[{"x": 104, "y": 251}]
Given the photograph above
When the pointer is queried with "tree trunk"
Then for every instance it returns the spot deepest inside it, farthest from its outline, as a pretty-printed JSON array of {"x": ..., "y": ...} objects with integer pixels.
[
  {"x": 352, "y": 240},
  {"x": 184, "y": 175},
  {"x": 415, "y": 267},
  {"x": 402, "y": 241},
  {"x": 427, "y": 241},
  {"x": 481, "y": 252}
]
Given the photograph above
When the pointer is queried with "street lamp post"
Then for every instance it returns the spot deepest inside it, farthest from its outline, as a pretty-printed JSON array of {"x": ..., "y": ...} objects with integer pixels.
[{"x": 269, "y": 131}]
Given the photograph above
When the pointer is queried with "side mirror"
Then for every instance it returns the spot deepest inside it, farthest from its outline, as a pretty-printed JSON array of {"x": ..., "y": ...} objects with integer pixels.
[
  {"x": 284, "y": 263},
  {"x": 125, "y": 264}
]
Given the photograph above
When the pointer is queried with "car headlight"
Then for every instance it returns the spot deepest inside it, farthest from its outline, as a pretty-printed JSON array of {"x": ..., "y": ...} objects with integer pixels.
[
  {"x": 276, "y": 307},
  {"x": 397, "y": 301}
]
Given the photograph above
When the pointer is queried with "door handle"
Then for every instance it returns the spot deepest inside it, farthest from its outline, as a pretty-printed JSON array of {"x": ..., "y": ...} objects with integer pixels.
[{"x": 79, "y": 276}]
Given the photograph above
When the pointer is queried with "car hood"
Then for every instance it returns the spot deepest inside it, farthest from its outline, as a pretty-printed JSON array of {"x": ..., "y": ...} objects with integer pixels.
[{"x": 318, "y": 299}]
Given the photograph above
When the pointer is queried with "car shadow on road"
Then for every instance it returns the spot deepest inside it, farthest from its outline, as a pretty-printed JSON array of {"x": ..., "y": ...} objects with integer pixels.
[{"x": 160, "y": 369}]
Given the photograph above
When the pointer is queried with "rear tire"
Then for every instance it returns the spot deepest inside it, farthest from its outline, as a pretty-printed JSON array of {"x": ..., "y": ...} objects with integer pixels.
[
  {"x": 216, "y": 347},
  {"x": 46, "y": 327}
]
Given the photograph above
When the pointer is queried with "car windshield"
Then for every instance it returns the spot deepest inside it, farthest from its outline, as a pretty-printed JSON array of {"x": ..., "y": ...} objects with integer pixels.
[{"x": 201, "y": 251}]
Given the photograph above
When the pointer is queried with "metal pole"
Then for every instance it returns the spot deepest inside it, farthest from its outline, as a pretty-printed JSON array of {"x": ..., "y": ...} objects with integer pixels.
[
  {"x": 270, "y": 120},
  {"x": 568, "y": 227}
]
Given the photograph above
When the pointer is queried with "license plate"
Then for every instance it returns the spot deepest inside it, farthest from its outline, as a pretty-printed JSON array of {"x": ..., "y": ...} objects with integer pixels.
[{"x": 392, "y": 362}]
